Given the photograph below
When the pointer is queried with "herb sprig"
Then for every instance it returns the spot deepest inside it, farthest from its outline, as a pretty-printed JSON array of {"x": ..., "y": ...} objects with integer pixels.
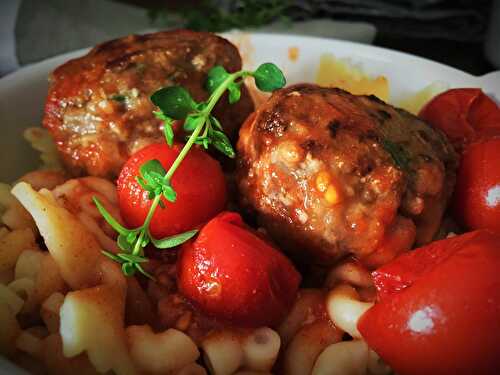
[{"x": 176, "y": 103}]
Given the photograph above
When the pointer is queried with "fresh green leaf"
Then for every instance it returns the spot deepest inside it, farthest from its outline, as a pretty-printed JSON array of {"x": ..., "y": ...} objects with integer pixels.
[
  {"x": 128, "y": 269},
  {"x": 234, "y": 93},
  {"x": 124, "y": 244},
  {"x": 131, "y": 237},
  {"x": 131, "y": 258},
  {"x": 173, "y": 241},
  {"x": 111, "y": 256},
  {"x": 141, "y": 270},
  {"x": 222, "y": 143},
  {"x": 161, "y": 204},
  {"x": 215, "y": 122},
  {"x": 215, "y": 77},
  {"x": 152, "y": 167},
  {"x": 109, "y": 218},
  {"x": 174, "y": 101},
  {"x": 192, "y": 122},
  {"x": 268, "y": 77},
  {"x": 168, "y": 132},
  {"x": 169, "y": 193}
]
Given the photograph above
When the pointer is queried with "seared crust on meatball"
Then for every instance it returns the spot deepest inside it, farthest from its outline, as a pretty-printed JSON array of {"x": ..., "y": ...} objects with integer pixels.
[
  {"x": 98, "y": 108},
  {"x": 331, "y": 174}
]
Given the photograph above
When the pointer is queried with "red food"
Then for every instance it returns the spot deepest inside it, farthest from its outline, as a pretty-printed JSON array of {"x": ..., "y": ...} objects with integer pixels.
[
  {"x": 464, "y": 115},
  {"x": 439, "y": 307},
  {"x": 232, "y": 274},
  {"x": 477, "y": 196},
  {"x": 199, "y": 183}
]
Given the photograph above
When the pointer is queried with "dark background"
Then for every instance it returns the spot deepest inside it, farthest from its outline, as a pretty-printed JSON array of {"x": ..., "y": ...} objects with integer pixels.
[{"x": 448, "y": 31}]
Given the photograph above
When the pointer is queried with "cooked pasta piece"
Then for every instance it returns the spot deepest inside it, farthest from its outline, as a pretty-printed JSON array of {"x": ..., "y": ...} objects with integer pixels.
[
  {"x": 57, "y": 363},
  {"x": 74, "y": 249},
  {"x": 23, "y": 287},
  {"x": 223, "y": 353},
  {"x": 13, "y": 214},
  {"x": 12, "y": 244},
  {"x": 343, "y": 358},
  {"x": 351, "y": 273},
  {"x": 49, "y": 311},
  {"x": 260, "y": 349},
  {"x": 9, "y": 327},
  {"x": 92, "y": 320},
  {"x": 345, "y": 308},
  {"x": 29, "y": 343},
  {"x": 307, "y": 344},
  {"x": 302, "y": 312},
  {"x": 160, "y": 353},
  {"x": 10, "y": 299},
  {"x": 44, "y": 179},
  {"x": 376, "y": 366},
  {"x": 41, "y": 268},
  {"x": 192, "y": 369}
]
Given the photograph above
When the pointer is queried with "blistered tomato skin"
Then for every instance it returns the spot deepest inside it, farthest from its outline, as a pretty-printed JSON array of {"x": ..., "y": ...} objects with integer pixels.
[
  {"x": 199, "y": 183},
  {"x": 477, "y": 194},
  {"x": 233, "y": 275},
  {"x": 464, "y": 115},
  {"x": 439, "y": 307}
]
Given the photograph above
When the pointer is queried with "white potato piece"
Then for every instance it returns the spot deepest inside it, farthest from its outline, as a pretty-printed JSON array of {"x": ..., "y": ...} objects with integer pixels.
[
  {"x": 301, "y": 313},
  {"x": 13, "y": 244},
  {"x": 343, "y": 358},
  {"x": 92, "y": 320},
  {"x": 160, "y": 353},
  {"x": 56, "y": 363},
  {"x": 345, "y": 308},
  {"x": 50, "y": 311},
  {"x": 307, "y": 344},
  {"x": 222, "y": 352},
  {"x": 73, "y": 248},
  {"x": 9, "y": 328},
  {"x": 260, "y": 349}
]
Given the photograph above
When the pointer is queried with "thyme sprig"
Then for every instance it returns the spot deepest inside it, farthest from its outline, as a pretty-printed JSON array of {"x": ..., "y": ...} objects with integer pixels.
[{"x": 176, "y": 103}]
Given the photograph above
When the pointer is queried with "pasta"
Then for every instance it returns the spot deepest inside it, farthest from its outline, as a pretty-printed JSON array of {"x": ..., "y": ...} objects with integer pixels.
[
  {"x": 12, "y": 244},
  {"x": 345, "y": 308},
  {"x": 260, "y": 349},
  {"x": 308, "y": 343},
  {"x": 223, "y": 353},
  {"x": 343, "y": 358},
  {"x": 50, "y": 311},
  {"x": 160, "y": 353}
]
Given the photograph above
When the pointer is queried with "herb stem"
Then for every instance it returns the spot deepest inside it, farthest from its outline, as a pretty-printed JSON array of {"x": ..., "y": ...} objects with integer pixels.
[{"x": 214, "y": 98}]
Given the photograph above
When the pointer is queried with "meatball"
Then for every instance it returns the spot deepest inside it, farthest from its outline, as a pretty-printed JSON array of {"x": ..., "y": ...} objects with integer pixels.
[
  {"x": 98, "y": 108},
  {"x": 331, "y": 174}
]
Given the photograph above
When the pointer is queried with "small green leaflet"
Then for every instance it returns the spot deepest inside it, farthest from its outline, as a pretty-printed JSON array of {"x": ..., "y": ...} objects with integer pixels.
[
  {"x": 215, "y": 77},
  {"x": 152, "y": 180},
  {"x": 173, "y": 241},
  {"x": 174, "y": 101},
  {"x": 168, "y": 131},
  {"x": 221, "y": 142},
  {"x": 110, "y": 219},
  {"x": 192, "y": 122},
  {"x": 268, "y": 77}
]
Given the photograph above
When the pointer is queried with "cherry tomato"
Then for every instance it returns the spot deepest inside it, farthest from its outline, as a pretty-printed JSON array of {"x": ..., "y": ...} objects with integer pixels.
[
  {"x": 439, "y": 307},
  {"x": 464, "y": 115},
  {"x": 234, "y": 275},
  {"x": 199, "y": 183},
  {"x": 476, "y": 202}
]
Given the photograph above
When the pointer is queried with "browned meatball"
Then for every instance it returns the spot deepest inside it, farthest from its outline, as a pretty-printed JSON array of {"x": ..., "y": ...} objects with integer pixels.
[
  {"x": 98, "y": 108},
  {"x": 331, "y": 174}
]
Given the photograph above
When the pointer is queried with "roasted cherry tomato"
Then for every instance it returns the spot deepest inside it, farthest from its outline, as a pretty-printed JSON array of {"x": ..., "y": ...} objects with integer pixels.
[
  {"x": 477, "y": 194},
  {"x": 199, "y": 183},
  {"x": 234, "y": 275},
  {"x": 464, "y": 115},
  {"x": 439, "y": 307}
]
